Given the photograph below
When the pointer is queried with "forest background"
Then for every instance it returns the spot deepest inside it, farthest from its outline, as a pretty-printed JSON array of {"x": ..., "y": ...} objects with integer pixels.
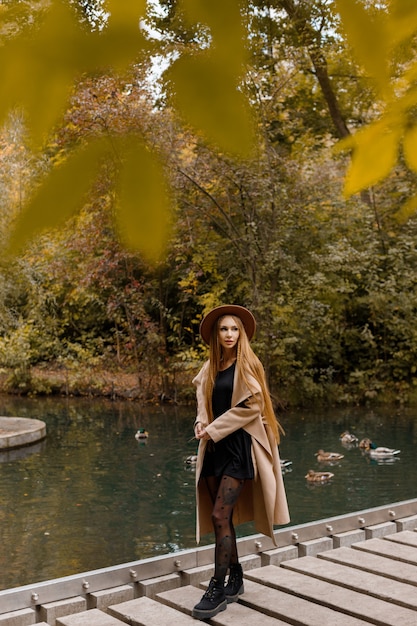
[{"x": 317, "y": 240}]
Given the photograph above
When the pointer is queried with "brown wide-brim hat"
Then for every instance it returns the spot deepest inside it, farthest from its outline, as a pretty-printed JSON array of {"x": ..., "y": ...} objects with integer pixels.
[{"x": 241, "y": 312}]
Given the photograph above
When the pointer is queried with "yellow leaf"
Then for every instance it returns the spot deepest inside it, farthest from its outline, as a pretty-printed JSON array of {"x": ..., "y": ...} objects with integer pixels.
[
  {"x": 226, "y": 26},
  {"x": 368, "y": 36},
  {"x": 126, "y": 11},
  {"x": 410, "y": 74},
  {"x": 407, "y": 210},
  {"x": 61, "y": 194},
  {"x": 38, "y": 69},
  {"x": 145, "y": 209},
  {"x": 410, "y": 147},
  {"x": 374, "y": 155},
  {"x": 344, "y": 145},
  {"x": 207, "y": 97},
  {"x": 31, "y": 72},
  {"x": 122, "y": 39},
  {"x": 403, "y": 19},
  {"x": 116, "y": 48}
]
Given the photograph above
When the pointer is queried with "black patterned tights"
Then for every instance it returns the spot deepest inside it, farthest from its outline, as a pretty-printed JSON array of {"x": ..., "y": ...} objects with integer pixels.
[{"x": 224, "y": 493}]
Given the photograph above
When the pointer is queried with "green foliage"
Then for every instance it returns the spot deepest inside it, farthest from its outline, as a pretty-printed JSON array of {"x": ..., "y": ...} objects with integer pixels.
[{"x": 15, "y": 348}]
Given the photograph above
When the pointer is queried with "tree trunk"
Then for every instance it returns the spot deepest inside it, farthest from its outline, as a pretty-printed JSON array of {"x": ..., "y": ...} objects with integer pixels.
[{"x": 311, "y": 40}]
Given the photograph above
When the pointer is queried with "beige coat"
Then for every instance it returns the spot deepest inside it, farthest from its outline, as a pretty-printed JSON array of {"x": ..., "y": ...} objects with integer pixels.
[{"x": 263, "y": 499}]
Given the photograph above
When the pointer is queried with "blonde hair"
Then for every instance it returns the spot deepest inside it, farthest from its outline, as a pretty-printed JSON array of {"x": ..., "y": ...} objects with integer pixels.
[{"x": 247, "y": 364}]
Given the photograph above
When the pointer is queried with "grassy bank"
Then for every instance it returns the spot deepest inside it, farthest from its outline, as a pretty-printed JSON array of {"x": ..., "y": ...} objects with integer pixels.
[
  {"x": 97, "y": 382},
  {"x": 176, "y": 387}
]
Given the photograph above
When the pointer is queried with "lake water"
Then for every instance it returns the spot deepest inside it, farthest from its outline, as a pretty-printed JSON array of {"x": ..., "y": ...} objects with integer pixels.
[{"x": 92, "y": 496}]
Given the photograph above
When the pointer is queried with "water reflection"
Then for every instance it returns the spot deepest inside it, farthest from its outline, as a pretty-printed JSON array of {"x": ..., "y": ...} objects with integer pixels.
[
  {"x": 17, "y": 454},
  {"x": 92, "y": 495}
]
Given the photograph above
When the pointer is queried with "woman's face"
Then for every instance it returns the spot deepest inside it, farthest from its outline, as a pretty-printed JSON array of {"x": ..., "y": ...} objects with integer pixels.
[{"x": 228, "y": 332}]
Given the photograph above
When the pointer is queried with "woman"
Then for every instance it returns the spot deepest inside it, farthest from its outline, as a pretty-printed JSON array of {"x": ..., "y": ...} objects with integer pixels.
[{"x": 238, "y": 473}]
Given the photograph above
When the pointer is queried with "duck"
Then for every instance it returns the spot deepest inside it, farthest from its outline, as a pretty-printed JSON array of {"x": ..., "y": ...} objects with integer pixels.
[
  {"x": 318, "y": 477},
  {"x": 365, "y": 443},
  {"x": 347, "y": 437},
  {"x": 328, "y": 457},
  {"x": 380, "y": 452},
  {"x": 285, "y": 466},
  {"x": 141, "y": 433},
  {"x": 191, "y": 460}
]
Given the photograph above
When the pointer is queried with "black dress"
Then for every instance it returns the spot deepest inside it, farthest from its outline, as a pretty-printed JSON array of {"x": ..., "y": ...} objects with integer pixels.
[{"x": 233, "y": 454}]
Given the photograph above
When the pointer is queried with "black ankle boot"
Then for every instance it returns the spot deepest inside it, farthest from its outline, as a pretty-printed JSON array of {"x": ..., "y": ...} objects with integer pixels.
[
  {"x": 234, "y": 587},
  {"x": 212, "y": 602}
]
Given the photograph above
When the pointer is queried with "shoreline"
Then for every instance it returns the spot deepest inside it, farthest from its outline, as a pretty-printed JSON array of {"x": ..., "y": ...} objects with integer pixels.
[
  {"x": 42, "y": 381},
  {"x": 171, "y": 388}
]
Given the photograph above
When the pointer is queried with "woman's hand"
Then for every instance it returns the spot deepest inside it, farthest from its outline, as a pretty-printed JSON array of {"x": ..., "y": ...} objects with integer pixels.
[{"x": 200, "y": 432}]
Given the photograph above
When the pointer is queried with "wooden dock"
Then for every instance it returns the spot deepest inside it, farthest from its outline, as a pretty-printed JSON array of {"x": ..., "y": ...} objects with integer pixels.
[{"x": 347, "y": 571}]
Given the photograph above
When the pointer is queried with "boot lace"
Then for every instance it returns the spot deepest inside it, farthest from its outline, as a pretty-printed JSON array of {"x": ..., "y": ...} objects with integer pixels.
[{"x": 211, "y": 590}]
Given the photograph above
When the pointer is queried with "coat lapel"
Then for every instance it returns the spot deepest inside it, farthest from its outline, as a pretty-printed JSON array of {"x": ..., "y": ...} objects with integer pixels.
[{"x": 240, "y": 393}]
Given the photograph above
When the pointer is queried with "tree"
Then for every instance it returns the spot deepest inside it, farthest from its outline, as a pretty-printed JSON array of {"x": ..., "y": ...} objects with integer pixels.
[{"x": 271, "y": 231}]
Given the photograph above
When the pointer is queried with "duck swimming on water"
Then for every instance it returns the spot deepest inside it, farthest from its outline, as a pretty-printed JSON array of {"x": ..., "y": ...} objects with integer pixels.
[
  {"x": 318, "y": 477},
  {"x": 347, "y": 437},
  {"x": 141, "y": 433},
  {"x": 328, "y": 457},
  {"x": 380, "y": 452},
  {"x": 366, "y": 443}
]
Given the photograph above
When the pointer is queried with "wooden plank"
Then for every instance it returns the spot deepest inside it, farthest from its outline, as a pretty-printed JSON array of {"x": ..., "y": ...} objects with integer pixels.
[
  {"x": 260, "y": 604},
  {"x": 182, "y": 599},
  {"x": 358, "y": 580},
  {"x": 348, "y": 602},
  {"x": 407, "y": 537},
  {"x": 388, "y": 549},
  {"x": 93, "y": 617},
  {"x": 236, "y": 614},
  {"x": 24, "y": 617},
  {"x": 290, "y": 608},
  {"x": 147, "y": 612},
  {"x": 390, "y": 568}
]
